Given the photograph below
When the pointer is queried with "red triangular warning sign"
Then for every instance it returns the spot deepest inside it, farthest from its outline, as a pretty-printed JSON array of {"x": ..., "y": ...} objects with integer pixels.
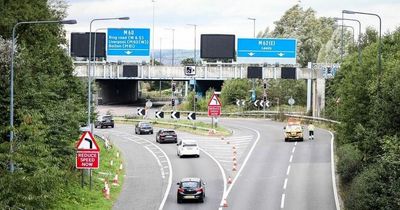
[
  {"x": 87, "y": 143},
  {"x": 214, "y": 101}
]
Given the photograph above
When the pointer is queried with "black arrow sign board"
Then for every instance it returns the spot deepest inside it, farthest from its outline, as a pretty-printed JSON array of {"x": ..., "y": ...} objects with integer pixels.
[
  {"x": 175, "y": 115},
  {"x": 159, "y": 114},
  {"x": 141, "y": 112},
  {"x": 191, "y": 116}
]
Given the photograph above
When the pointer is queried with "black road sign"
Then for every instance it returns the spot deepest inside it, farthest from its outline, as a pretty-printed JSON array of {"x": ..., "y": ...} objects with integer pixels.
[
  {"x": 159, "y": 114},
  {"x": 191, "y": 116},
  {"x": 141, "y": 111},
  {"x": 175, "y": 115}
]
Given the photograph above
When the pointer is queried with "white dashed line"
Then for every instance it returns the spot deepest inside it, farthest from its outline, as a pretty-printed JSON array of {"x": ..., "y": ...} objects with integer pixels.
[
  {"x": 295, "y": 143},
  {"x": 291, "y": 158},
  {"x": 288, "y": 170},
  {"x": 283, "y": 201},
  {"x": 294, "y": 148},
  {"x": 285, "y": 184}
]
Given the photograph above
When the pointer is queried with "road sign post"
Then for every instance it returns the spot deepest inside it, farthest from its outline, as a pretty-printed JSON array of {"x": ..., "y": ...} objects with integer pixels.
[
  {"x": 88, "y": 154},
  {"x": 214, "y": 108}
]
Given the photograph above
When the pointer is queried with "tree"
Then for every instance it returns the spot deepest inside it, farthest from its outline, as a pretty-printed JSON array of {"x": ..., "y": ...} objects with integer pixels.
[{"x": 49, "y": 107}]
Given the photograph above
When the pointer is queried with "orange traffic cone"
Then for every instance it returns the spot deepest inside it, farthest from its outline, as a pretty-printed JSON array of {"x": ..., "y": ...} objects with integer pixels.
[
  {"x": 115, "y": 180},
  {"x": 234, "y": 163},
  {"x": 233, "y": 147},
  {"x": 107, "y": 193},
  {"x": 234, "y": 168},
  {"x": 234, "y": 157},
  {"x": 229, "y": 180},
  {"x": 225, "y": 204},
  {"x": 234, "y": 152},
  {"x": 227, "y": 142}
]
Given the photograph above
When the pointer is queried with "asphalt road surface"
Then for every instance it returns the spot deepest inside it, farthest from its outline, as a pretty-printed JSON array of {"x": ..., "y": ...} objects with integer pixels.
[{"x": 263, "y": 171}]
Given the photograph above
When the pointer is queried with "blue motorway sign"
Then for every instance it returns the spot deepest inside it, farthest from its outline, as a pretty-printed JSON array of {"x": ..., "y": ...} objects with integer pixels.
[
  {"x": 267, "y": 49},
  {"x": 128, "y": 42}
]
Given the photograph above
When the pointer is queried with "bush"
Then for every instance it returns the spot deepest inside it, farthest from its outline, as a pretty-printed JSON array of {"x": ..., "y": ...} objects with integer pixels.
[{"x": 350, "y": 162}]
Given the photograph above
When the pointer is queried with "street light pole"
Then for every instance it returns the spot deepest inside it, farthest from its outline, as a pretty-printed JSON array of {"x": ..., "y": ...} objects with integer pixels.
[
  {"x": 352, "y": 28},
  {"x": 254, "y": 26},
  {"x": 152, "y": 38},
  {"x": 173, "y": 35},
  {"x": 89, "y": 63},
  {"x": 194, "y": 51},
  {"x": 359, "y": 35},
  {"x": 380, "y": 35},
  {"x": 12, "y": 76}
]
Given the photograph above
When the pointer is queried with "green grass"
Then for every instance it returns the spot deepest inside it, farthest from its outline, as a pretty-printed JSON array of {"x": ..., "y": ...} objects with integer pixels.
[{"x": 76, "y": 197}]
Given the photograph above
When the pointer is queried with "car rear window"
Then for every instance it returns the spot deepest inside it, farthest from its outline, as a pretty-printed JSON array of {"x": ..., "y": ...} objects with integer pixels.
[
  {"x": 190, "y": 184},
  {"x": 107, "y": 118},
  {"x": 145, "y": 125},
  {"x": 169, "y": 132}
]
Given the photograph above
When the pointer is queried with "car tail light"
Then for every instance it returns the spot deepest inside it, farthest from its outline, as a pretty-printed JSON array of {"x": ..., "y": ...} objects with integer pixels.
[
  {"x": 199, "y": 189},
  {"x": 181, "y": 190}
]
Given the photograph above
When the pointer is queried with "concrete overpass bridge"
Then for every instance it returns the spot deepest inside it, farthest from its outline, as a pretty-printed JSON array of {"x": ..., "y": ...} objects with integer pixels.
[{"x": 114, "y": 87}]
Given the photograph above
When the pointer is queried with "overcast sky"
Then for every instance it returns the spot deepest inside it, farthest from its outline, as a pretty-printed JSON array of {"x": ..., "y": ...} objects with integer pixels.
[{"x": 216, "y": 16}]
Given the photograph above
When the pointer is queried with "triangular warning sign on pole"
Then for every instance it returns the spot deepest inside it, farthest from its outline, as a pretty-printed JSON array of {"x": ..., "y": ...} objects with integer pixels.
[
  {"x": 214, "y": 101},
  {"x": 87, "y": 143}
]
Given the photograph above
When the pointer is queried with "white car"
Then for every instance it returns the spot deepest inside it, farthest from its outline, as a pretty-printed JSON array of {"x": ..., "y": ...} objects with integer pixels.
[{"x": 188, "y": 148}]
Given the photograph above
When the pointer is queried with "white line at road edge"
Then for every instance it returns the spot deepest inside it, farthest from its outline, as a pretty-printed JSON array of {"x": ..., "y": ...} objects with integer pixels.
[
  {"x": 222, "y": 172},
  {"x": 333, "y": 175},
  {"x": 170, "y": 172},
  {"x": 244, "y": 162}
]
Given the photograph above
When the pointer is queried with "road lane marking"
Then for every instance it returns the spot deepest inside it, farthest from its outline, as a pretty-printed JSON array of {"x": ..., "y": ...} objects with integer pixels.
[
  {"x": 333, "y": 175},
  {"x": 295, "y": 143},
  {"x": 158, "y": 161},
  {"x": 291, "y": 158},
  {"x": 170, "y": 172},
  {"x": 294, "y": 148},
  {"x": 283, "y": 201},
  {"x": 285, "y": 184},
  {"x": 288, "y": 170},
  {"x": 223, "y": 175}
]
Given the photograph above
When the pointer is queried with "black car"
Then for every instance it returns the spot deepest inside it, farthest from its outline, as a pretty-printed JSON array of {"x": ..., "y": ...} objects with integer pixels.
[
  {"x": 104, "y": 121},
  {"x": 166, "y": 135},
  {"x": 143, "y": 127},
  {"x": 191, "y": 189}
]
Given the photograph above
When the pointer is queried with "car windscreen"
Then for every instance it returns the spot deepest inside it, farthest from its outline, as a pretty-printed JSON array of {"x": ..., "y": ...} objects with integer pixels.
[
  {"x": 294, "y": 127},
  {"x": 190, "y": 184}
]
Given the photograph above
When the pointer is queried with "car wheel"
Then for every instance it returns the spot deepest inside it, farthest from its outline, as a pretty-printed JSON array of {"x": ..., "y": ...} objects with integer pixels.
[
  {"x": 198, "y": 156},
  {"x": 112, "y": 126},
  {"x": 179, "y": 200},
  {"x": 151, "y": 132},
  {"x": 201, "y": 200}
]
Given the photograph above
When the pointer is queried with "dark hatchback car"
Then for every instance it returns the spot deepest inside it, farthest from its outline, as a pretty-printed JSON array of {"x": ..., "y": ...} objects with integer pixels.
[
  {"x": 166, "y": 135},
  {"x": 143, "y": 127},
  {"x": 191, "y": 189},
  {"x": 104, "y": 121}
]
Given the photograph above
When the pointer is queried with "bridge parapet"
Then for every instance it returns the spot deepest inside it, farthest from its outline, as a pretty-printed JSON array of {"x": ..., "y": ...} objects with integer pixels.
[{"x": 104, "y": 70}]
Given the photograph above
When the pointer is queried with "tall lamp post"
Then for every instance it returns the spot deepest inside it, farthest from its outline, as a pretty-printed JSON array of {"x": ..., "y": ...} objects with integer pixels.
[
  {"x": 173, "y": 37},
  {"x": 89, "y": 63},
  {"x": 380, "y": 35},
  {"x": 254, "y": 26},
  {"x": 359, "y": 35},
  {"x": 152, "y": 38},
  {"x": 352, "y": 29},
  {"x": 12, "y": 76},
  {"x": 194, "y": 50}
]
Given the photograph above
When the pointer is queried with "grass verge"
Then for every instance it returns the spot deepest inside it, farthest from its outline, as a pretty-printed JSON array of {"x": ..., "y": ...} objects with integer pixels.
[{"x": 76, "y": 197}]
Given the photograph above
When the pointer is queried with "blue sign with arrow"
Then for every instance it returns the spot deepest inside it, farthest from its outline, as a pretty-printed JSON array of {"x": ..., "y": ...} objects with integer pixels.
[
  {"x": 128, "y": 42},
  {"x": 267, "y": 50}
]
